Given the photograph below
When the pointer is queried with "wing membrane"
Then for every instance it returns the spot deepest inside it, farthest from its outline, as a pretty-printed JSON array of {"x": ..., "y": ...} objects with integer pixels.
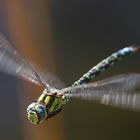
[
  {"x": 125, "y": 82},
  {"x": 120, "y": 99},
  {"x": 115, "y": 91},
  {"x": 11, "y": 62}
]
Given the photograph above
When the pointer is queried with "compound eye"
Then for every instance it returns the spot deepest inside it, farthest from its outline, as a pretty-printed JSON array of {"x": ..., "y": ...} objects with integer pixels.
[{"x": 41, "y": 112}]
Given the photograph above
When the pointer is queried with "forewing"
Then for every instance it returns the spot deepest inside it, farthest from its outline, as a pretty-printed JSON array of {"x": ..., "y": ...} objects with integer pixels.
[
  {"x": 51, "y": 79},
  {"x": 11, "y": 62}
]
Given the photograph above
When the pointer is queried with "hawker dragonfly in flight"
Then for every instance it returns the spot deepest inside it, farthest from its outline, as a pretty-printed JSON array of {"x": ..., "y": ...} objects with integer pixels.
[{"x": 117, "y": 91}]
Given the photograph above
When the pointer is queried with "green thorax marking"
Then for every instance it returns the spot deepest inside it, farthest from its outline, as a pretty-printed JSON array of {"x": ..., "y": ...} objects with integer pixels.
[{"x": 52, "y": 103}]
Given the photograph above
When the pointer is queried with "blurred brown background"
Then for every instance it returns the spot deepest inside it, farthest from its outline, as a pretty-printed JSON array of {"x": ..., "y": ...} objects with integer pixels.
[{"x": 68, "y": 38}]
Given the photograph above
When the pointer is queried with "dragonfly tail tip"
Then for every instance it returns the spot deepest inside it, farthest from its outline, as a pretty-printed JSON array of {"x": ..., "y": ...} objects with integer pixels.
[{"x": 135, "y": 48}]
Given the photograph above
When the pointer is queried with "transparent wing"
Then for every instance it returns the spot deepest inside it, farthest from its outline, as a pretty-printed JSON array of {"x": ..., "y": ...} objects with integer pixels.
[
  {"x": 125, "y": 82},
  {"x": 116, "y": 91},
  {"x": 11, "y": 62},
  {"x": 52, "y": 80},
  {"x": 120, "y": 99}
]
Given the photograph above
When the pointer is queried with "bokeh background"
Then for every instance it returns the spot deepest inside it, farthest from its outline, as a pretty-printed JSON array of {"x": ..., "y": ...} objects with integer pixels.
[{"x": 68, "y": 38}]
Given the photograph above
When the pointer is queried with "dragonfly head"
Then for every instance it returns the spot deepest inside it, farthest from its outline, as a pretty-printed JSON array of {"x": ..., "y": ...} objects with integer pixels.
[{"x": 36, "y": 113}]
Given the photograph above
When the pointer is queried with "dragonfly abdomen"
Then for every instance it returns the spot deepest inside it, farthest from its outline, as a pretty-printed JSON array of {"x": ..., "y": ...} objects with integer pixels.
[{"x": 106, "y": 63}]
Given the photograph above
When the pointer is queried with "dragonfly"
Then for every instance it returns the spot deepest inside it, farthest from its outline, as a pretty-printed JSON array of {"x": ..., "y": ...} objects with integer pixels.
[{"x": 117, "y": 91}]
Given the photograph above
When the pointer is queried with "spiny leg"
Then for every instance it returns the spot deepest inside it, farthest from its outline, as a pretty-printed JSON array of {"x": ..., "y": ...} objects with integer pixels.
[{"x": 106, "y": 63}]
